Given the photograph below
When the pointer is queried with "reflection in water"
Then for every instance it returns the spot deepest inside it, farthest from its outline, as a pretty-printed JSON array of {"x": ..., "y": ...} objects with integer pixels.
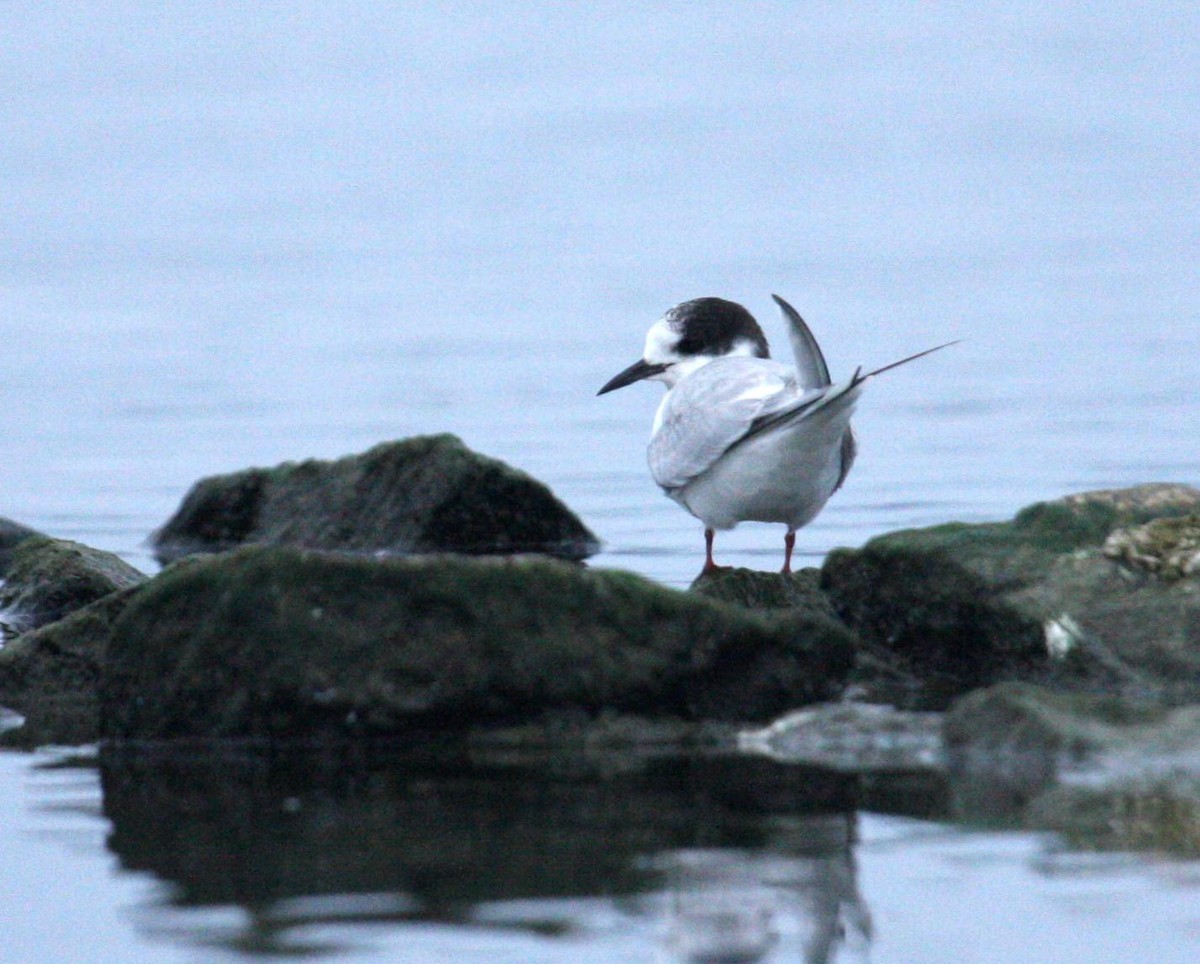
[
  {"x": 737, "y": 905},
  {"x": 714, "y": 858}
]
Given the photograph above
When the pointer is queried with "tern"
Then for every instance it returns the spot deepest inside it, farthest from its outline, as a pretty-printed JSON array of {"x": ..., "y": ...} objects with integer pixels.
[{"x": 740, "y": 437}]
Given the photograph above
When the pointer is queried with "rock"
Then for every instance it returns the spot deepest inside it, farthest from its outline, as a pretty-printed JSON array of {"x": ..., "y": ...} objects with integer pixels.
[
  {"x": 956, "y": 607},
  {"x": 879, "y": 676},
  {"x": 1167, "y": 547},
  {"x": 766, "y": 590},
  {"x": 1105, "y": 771},
  {"x": 852, "y": 737},
  {"x": 12, "y": 534},
  {"x": 49, "y": 578},
  {"x": 1008, "y": 743},
  {"x": 280, "y": 642},
  {"x": 423, "y": 494},
  {"x": 51, "y": 676}
]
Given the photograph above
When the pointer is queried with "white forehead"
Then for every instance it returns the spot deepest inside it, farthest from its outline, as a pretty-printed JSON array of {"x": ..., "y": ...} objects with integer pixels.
[{"x": 660, "y": 343}]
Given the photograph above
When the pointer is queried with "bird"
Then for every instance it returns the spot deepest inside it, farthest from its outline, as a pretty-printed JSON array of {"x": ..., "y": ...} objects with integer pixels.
[{"x": 739, "y": 436}]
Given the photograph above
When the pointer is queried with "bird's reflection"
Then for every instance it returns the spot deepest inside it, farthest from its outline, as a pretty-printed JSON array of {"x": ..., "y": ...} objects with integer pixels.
[{"x": 796, "y": 900}]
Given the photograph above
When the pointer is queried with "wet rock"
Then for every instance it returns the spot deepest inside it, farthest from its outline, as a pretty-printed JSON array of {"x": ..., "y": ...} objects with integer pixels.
[
  {"x": 1105, "y": 771},
  {"x": 1008, "y": 743},
  {"x": 12, "y": 534},
  {"x": 284, "y": 643},
  {"x": 956, "y": 607},
  {"x": 51, "y": 676},
  {"x": 423, "y": 494},
  {"x": 853, "y": 737},
  {"x": 48, "y": 579}
]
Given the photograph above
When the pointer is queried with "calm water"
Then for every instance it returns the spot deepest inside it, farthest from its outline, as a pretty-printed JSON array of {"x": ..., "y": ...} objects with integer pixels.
[{"x": 235, "y": 236}]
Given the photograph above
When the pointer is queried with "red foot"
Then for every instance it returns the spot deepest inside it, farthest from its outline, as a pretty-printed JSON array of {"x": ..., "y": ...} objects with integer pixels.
[
  {"x": 789, "y": 543},
  {"x": 709, "y": 565}
]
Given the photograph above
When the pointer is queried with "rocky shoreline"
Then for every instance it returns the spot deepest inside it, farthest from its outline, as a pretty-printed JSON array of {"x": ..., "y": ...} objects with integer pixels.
[{"x": 1048, "y": 667}]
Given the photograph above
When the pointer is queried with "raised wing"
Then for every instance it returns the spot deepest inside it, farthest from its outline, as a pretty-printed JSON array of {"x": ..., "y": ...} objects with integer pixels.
[
  {"x": 810, "y": 363},
  {"x": 713, "y": 409}
]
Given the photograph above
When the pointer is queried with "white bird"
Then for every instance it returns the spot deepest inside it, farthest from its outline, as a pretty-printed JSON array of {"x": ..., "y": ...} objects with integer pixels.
[{"x": 740, "y": 437}]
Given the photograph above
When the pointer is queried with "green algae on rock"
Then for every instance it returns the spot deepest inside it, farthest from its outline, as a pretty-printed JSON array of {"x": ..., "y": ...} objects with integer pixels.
[
  {"x": 422, "y": 494},
  {"x": 283, "y": 643}
]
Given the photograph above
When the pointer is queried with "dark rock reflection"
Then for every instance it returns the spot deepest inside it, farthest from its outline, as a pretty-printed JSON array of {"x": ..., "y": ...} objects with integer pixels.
[{"x": 723, "y": 857}]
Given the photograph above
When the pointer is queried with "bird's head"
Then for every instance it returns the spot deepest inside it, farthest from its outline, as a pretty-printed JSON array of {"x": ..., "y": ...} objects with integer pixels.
[{"x": 688, "y": 337}]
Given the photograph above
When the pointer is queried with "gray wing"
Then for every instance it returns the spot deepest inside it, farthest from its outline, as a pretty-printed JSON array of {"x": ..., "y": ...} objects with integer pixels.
[
  {"x": 712, "y": 409},
  {"x": 810, "y": 363}
]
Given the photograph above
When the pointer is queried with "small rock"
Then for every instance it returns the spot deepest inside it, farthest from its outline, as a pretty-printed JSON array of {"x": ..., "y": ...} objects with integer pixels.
[
  {"x": 852, "y": 737},
  {"x": 1105, "y": 771},
  {"x": 1167, "y": 547},
  {"x": 12, "y": 534},
  {"x": 423, "y": 494},
  {"x": 48, "y": 579},
  {"x": 766, "y": 590}
]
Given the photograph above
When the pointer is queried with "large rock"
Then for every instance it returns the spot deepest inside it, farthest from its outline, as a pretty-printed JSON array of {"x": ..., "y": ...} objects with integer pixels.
[
  {"x": 48, "y": 579},
  {"x": 423, "y": 494},
  {"x": 285, "y": 643},
  {"x": 1075, "y": 591}
]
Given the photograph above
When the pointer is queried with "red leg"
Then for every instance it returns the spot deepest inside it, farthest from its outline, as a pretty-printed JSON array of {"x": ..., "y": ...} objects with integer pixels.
[
  {"x": 789, "y": 543},
  {"x": 709, "y": 565}
]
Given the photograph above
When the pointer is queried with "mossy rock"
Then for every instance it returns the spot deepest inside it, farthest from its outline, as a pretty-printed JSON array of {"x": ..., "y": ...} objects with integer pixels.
[
  {"x": 422, "y": 494},
  {"x": 292, "y": 644},
  {"x": 48, "y": 579}
]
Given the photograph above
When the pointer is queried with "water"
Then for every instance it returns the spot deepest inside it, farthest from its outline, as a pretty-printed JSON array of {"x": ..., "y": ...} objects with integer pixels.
[{"x": 238, "y": 235}]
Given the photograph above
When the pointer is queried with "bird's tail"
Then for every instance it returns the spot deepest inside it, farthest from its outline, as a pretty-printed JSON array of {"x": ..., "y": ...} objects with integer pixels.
[{"x": 860, "y": 377}]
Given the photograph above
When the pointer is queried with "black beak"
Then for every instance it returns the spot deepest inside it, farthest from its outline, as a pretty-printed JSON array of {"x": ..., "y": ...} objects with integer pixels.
[{"x": 634, "y": 373}]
